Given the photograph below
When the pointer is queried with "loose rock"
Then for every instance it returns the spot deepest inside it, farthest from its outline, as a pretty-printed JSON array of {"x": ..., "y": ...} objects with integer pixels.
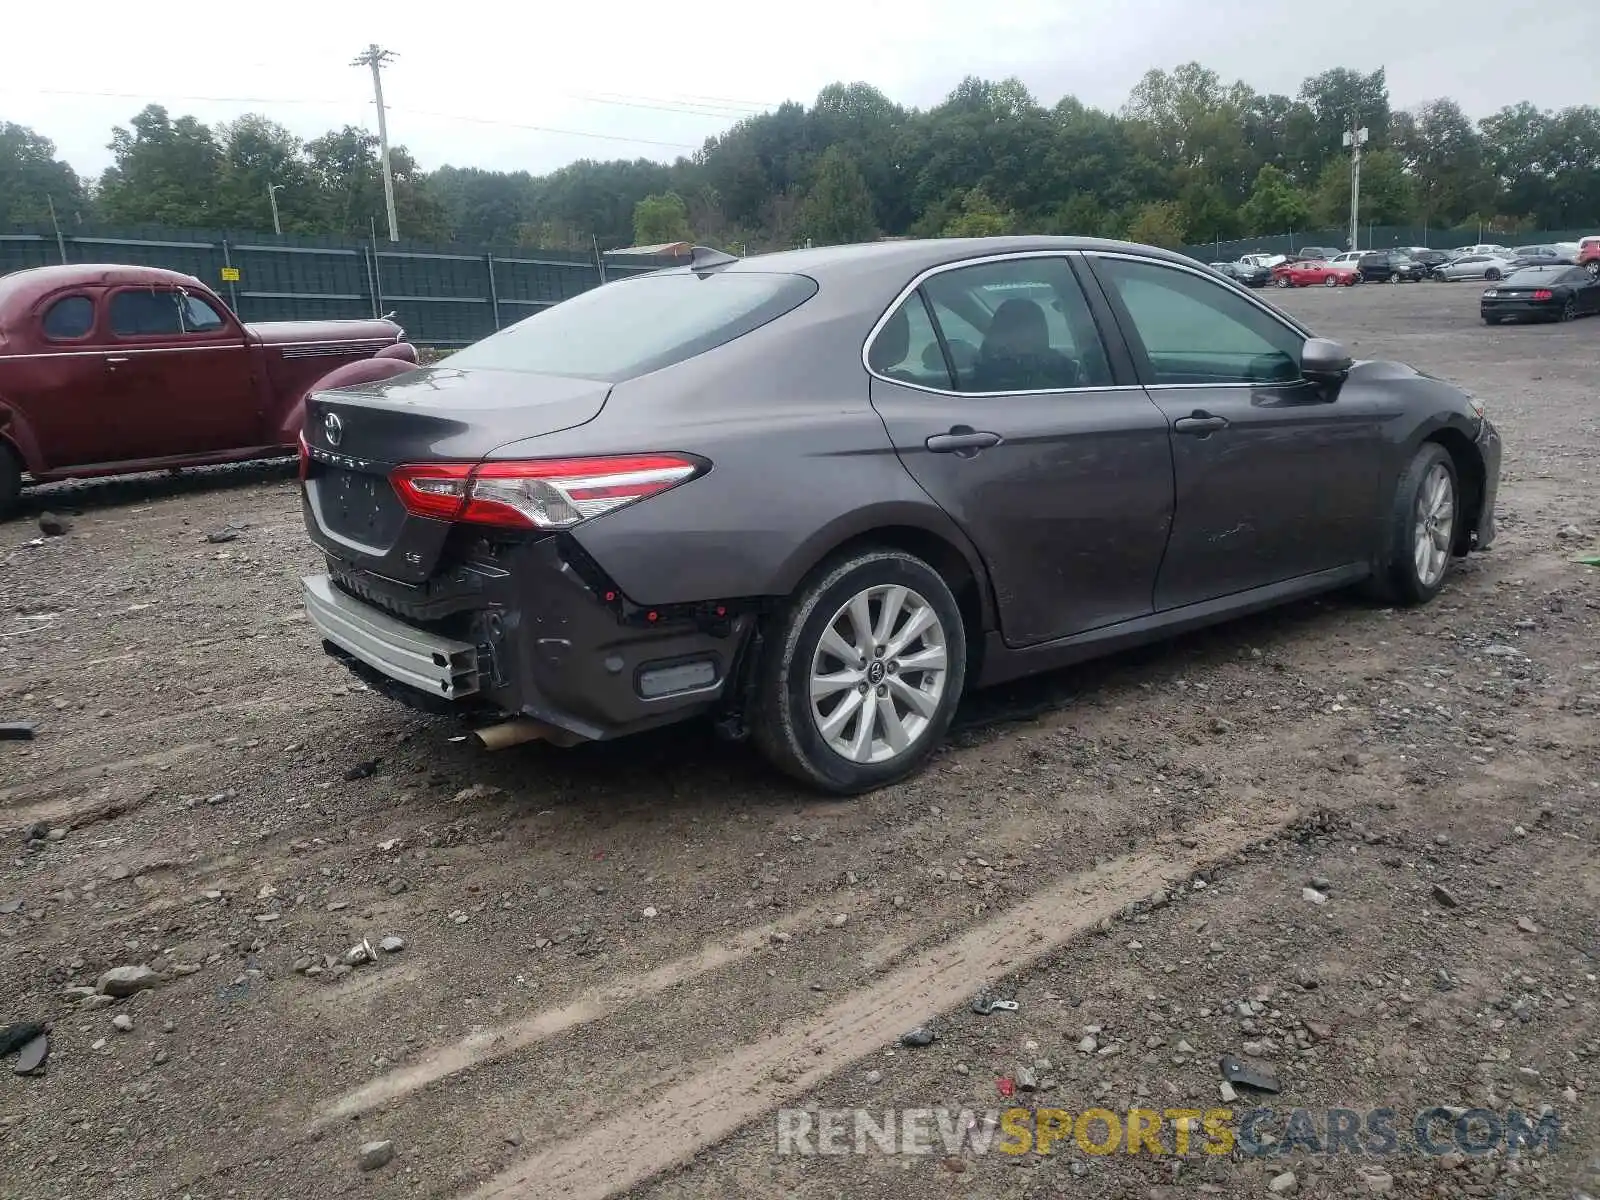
[
  {"x": 1284, "y": 1185},
  {"x": 1311, "y": 894},
  {"x": 123, "y": 1022},
  {"x": 1444, "y": 896},
  {"x": 392, "y": 944},
  {"x": 375, "y": 1155},
  {"x": 125, "y": 981},
  {"x": 53, "y": 524}
]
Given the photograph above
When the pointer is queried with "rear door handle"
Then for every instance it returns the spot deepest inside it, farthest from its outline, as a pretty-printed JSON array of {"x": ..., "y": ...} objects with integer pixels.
[
  {"x": 961, "y": 438},
  {"x": 115, "y": 362},
  {"x": 1201, "y": 423}
]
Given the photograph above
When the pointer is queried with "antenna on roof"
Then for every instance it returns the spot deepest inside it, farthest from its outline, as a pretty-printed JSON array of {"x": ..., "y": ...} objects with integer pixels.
[{"x": 704, "y": 257}]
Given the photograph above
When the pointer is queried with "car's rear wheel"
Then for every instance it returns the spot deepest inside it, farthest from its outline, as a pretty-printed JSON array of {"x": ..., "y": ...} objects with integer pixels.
[
  {"x": 10, "y": 481},
  {"x": 1569, "y": 310},
  {"x": 1282, "y": 281},
  {"x": 1422, "y": 528},
  {"x": 1394, "y": 276},
  {"x": 1492, "y": 274},
  {"x": 861, "y": 676},
  {"x": 1331, "y": 281}
]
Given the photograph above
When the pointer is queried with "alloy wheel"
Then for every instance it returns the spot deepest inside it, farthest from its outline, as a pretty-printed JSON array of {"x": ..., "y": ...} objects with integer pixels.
[
  {"x": 878, "y": 674},
  {"x": 1435, "y": 525}
]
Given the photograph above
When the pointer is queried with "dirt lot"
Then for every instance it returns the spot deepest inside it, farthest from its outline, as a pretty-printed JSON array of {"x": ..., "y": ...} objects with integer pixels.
[{"x": 618, "y": 961}]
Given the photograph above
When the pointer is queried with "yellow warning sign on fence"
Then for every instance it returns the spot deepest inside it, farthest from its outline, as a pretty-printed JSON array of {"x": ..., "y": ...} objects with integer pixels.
[{"x": 230, "y": 274}]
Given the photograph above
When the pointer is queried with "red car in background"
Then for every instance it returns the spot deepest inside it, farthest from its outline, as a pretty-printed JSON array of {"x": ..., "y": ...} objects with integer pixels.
[
  {"x": 1312, "y": 273},
  {"x": 106, "y": 370},
  {"x": 1589, "y": 254}
]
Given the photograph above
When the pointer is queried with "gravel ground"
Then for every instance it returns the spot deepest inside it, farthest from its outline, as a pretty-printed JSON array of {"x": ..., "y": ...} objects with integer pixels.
[{"x": 613, "y": 963}]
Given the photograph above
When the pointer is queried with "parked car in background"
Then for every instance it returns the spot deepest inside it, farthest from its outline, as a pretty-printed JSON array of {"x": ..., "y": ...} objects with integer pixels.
[
  {"x": 1313, "y": 273},
  {"x": 1482, "y": 248},
  {"x": 1263, "y": 260},
  {"x": 593, "y": 523},
  {"x": 1543, "y": 293},
  {"x": 1250, "y": 276},
  {"x": 1431, "y": 260},
  {"x": 1589, "y": 255},
  {"x": 1533, "y": 255},
  {"x": 1473, "y": 266},
  {"x": 106, "y": 370},
  {"x": 1393, "y": 266},
  {"x": 1315, "y": 253},
  {"x": 1348, "y": 258}
]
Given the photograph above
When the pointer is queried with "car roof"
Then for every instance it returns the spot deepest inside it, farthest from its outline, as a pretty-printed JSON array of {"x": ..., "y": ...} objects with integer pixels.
[
  {"x": 25, "y": 287},
  {"x": 905, "y": 258}
]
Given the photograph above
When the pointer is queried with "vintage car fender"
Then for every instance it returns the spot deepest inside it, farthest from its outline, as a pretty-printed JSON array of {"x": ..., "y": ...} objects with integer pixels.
[
  {"x": 385, "y": 364},
  {"x": 18, "y": 437}
]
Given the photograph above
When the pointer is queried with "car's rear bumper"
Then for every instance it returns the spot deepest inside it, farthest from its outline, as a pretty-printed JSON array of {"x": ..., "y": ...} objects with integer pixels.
[
  {"x": 1519, "y": 308},
  {"x": 532, "y": 640}
]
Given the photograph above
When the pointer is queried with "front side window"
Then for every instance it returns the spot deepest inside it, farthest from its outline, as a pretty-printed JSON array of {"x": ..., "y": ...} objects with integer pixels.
[
  {"x": 1018, "y": 325},
  {"x": 70, "y": 317},
  {"x": 1194, "y": 331},
  {"x": 198, "y": 316},
  {"x": 141, "y": 313}
]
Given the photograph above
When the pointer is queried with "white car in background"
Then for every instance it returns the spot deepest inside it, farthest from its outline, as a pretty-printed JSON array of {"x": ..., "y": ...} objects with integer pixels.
[
  {"x": 1474, "y": 266},
  {"x": 1348, "y": 259},
  {"x": 1482, "y": 248}
]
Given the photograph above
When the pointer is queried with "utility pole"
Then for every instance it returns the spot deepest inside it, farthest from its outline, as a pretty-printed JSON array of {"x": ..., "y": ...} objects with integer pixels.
[
  {"x": 1355, "y": 137},
  {"x": 378, "y": 59},
  {"x": 272, "y": 198}
]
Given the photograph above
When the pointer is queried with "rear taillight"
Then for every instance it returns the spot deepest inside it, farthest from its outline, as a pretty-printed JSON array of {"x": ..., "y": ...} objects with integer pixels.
[
  {"x": 1542, "y": 294},
  {"x": 550, "y": 493},
  {"x": 305, "y": 457}
]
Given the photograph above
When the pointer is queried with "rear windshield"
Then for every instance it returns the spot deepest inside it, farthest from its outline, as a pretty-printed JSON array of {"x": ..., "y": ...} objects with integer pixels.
[
  {"x": 634, "y": 326},
  {"x": 1538, "y": 275}
]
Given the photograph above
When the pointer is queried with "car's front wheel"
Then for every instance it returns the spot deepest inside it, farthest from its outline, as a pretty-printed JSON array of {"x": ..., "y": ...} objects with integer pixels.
[
  {"x": 10, "y": 481},
  {"x": 1492, "y": 274},
  {"x": 1394, "y": 276},
  {"x": 1422, "y": 528},
  {"x": 862, "y": 672},
  {"x": 1593, "y": 268},
  {"x": 1331, "y": 281}
]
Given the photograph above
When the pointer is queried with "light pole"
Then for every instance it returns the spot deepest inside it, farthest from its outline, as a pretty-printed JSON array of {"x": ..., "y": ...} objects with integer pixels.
[
  {"x": 1355, "y": 139},
  {"x": 272, "y": 198}
]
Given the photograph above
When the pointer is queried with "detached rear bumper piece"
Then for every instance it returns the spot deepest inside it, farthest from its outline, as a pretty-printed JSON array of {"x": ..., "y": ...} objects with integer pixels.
[{"x": 436, "y": 665}]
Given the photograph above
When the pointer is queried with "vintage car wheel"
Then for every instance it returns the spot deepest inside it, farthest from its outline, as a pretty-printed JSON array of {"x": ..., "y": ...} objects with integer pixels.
[
  {"x": 1423, "y": 518},
  {"x": 10, "y": 481},
  {"x": 862, "y": 672}
]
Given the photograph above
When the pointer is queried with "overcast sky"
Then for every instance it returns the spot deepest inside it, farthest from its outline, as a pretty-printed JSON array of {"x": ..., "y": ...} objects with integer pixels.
[{"x": 620, "y": 78}]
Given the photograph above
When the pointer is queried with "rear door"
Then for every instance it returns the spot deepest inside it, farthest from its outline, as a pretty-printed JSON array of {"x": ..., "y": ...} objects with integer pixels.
[
  {"x": 1019, "y": 420},
  {"x": 60, "y": 388},
  {"x": 1276, "y": 477},
  {"x": 182, "y": 374}
]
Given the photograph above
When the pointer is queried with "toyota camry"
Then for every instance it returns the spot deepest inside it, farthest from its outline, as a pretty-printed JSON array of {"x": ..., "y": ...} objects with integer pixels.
[{"x": 815, "y": 496}]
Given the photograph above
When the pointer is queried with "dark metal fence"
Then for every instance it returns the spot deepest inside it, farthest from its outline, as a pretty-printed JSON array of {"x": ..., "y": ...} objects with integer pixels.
[
  {"x": 1378, "y": 237},
  {"x": 441, "y": 295}
]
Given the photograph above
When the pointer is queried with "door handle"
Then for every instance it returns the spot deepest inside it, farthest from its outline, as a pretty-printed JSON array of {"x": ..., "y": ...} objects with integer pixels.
[
  {"x": 961, "y": 438},
  {"x": 115, "y": 362},
  {"x": 1200, "y": 423}
]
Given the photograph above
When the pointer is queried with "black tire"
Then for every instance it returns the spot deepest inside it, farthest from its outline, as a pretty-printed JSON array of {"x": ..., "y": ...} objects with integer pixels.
[
  {"x": 1569, "y": 310},
  {"x": 1398, "y": 580},
  {"x": 784, "y": 725},
  {"x": 1593, "y": 267},
  {"x": 1281, "y": 281},
  {"x": 1331, "y": 281},
  {"x": 1394, "y": 276},
  {"x": 10, "y": 481},
  {"x": 1492, "y": 274}
]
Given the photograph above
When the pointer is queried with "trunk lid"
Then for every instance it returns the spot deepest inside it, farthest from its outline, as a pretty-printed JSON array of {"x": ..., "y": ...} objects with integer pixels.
[{"x": 355, "y": 436}]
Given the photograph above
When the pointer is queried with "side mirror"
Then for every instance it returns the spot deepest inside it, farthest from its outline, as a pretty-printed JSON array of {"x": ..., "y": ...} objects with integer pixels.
[{"x": 1324, "y": 360}]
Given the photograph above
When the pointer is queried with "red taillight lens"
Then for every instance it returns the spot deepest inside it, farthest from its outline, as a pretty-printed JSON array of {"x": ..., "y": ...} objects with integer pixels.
[
  {"x": 305, "y": 457},
  {"x": 1542, "y": 294},
  {"x": 551, "y": 493}
]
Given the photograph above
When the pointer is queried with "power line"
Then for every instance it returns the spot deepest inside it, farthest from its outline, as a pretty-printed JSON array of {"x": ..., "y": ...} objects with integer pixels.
[{"x": 607, "y": 137}]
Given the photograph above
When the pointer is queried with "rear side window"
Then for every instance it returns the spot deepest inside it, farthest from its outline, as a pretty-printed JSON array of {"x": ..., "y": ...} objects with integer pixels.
[
  {"x": 70, "y": 317},
  {"x": 635, "y": 326}
]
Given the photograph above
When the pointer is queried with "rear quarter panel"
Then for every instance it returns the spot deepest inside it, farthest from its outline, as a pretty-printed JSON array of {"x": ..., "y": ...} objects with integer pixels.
[{"x": 800, "y": 464}]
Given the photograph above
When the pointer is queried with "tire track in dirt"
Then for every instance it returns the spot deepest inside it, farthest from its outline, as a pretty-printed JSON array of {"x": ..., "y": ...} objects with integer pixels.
[{"x": 629, "y": 1149}]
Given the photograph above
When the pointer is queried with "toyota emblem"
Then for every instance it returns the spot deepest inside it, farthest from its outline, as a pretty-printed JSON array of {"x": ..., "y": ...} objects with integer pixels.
[{"x": 333, "y": 428}]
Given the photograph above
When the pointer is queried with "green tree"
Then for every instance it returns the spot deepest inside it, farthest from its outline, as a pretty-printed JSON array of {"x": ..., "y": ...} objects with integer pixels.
[
  {"x": 1445, "y": 156},
  {"x": 660, "y": 218},
  {"x": 838, "y": 207},
  {"x": 257, "y": 154},
  {"x": 979, "y": 216},
  {"x": 1386, "y": 192},
  {"x": 32, "y": 178},
  {"x": 346, "y": 169},
  {"x": 163, "y": 172},
  {"x": 1158, "y": 224},
  {"x": 1275, "y": 204}
]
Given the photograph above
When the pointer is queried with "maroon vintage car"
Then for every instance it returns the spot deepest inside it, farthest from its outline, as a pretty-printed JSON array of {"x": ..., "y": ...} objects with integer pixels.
[{"x": 106, "y": 370}]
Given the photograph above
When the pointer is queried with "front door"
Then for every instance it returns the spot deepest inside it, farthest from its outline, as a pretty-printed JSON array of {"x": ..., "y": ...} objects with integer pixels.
[
  {"x": 182, "y": 372},
  {"x": 999, "y": 397},
  {"x": 1277, "y": 477}
]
